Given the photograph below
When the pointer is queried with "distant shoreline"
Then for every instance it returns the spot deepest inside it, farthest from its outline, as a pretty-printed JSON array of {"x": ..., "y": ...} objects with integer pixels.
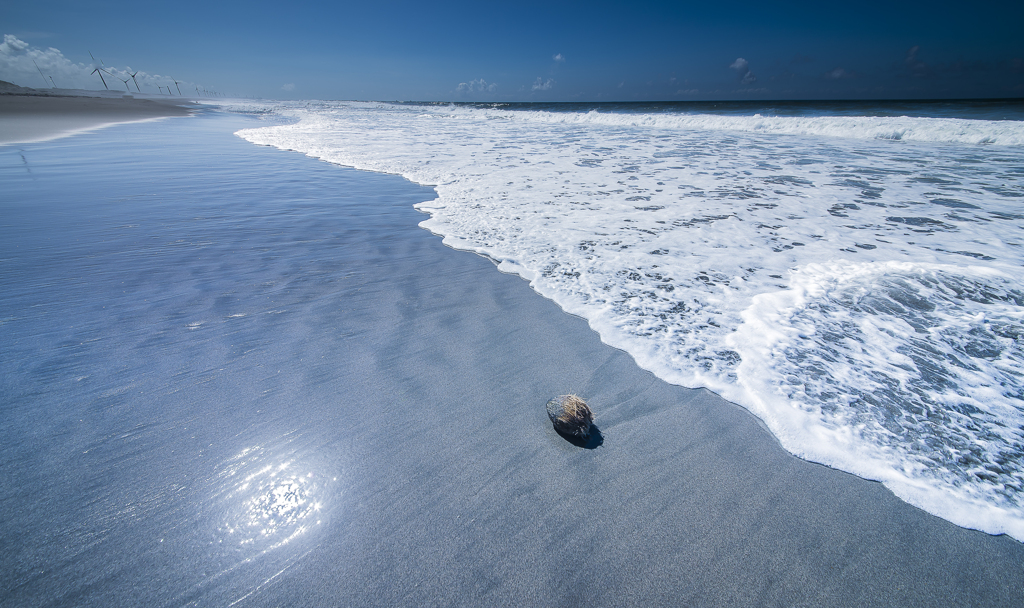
[{"x": 33, "y": 115}]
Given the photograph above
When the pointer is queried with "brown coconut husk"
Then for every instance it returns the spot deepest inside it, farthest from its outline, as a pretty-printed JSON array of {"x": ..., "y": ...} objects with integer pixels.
[{"x": 570, "y": 415}]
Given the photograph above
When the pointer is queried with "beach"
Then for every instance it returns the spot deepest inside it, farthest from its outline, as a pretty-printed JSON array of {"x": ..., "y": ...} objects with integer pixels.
[
  {"x": 236, "y": 374},
  {"x": 29, "y": 115}
]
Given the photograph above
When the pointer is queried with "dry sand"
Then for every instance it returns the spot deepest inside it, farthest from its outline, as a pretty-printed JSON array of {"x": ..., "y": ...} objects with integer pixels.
[{"x": 30, "y": 115}]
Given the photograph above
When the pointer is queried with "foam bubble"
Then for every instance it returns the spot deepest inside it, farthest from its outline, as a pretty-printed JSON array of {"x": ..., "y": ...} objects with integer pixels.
[
  {"x": 897, "y": 128},
  {"x": 911, "y": 374},
  {"x": 674, "y": 234}
]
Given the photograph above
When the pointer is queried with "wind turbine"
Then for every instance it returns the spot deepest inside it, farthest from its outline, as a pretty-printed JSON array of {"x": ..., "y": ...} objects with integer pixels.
[
  {"x": 98, "y": 69},
  {"x": 52, "y": 82},
  {"x": 100, "y": 72},
  {"x": 125, "y": 81},
  {"x": 40, "y": 71},
  {"x": 136, "y": 81},
  {"x": 176, "y": 85}
]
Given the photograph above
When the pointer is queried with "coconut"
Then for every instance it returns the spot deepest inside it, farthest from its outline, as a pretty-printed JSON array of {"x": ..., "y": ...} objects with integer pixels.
[{"x": 570, "y": 415}]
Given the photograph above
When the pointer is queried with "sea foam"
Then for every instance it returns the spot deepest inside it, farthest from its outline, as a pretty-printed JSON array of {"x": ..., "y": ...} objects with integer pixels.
[{"x": 852, "y": 280}]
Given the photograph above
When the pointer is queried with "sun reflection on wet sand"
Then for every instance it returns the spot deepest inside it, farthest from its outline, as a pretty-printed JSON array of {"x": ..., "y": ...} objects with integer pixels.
[
  {"x": 268, "y": 500},
  {"x": 268, "y": 505}
]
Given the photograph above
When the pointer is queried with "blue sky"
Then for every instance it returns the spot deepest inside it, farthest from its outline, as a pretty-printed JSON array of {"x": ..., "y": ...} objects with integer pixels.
[{"x": 526, "y": 51}]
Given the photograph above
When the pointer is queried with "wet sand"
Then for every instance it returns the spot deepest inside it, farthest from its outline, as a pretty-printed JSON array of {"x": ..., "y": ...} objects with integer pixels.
[{"x": 415, "y": 377}]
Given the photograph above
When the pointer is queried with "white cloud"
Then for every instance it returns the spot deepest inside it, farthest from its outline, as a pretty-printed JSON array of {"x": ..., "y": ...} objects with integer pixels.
[
  {"x": 838, "y": 74},
  {"x": 543, "y": 85},
  {"x": 558, "y": 57},
  {"x": 18, "y": 61},
  {"x": 742, "y": 67},
  {"x": 12, "y": 46},
  {"x": 912, "y": 54},
  {"x": 477, "y": 86},
  {"x": 288, "y": 87},
  {"x": 917, "y": 67}
]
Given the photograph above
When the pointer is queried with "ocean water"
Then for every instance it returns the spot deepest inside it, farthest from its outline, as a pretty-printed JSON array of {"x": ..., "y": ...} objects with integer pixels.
[{"x": 850, "y": 273}]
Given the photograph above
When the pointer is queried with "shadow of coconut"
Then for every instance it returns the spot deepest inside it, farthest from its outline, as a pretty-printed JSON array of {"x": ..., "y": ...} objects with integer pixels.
[{"x": 595, "y": 439}]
